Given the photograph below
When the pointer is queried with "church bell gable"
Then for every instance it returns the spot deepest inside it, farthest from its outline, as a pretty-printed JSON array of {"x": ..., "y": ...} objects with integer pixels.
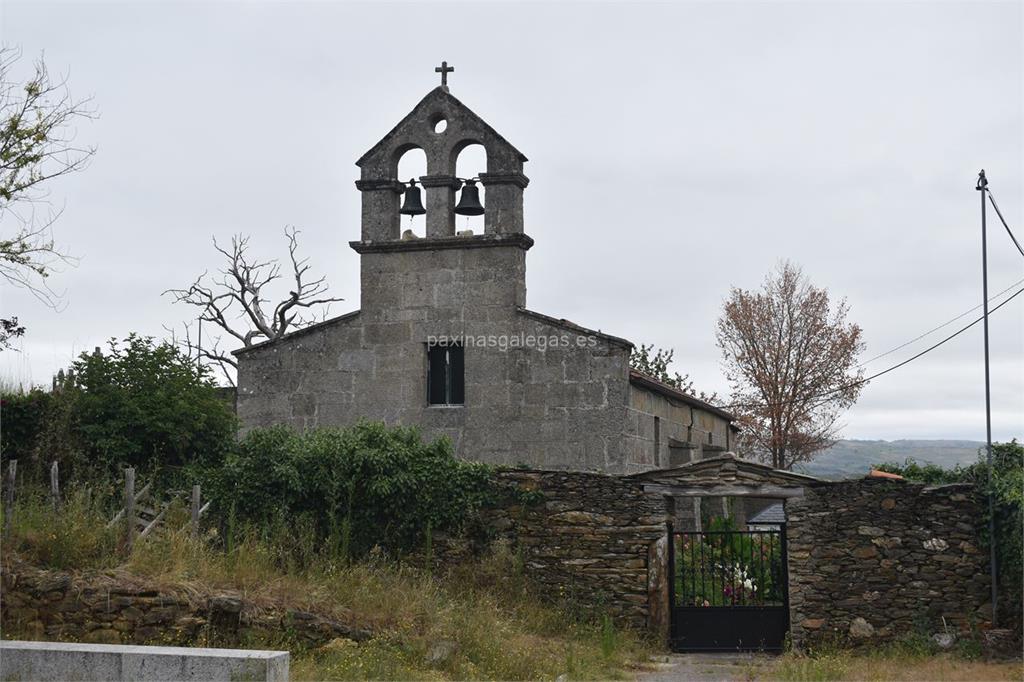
[{"x": 382, "y": 189}]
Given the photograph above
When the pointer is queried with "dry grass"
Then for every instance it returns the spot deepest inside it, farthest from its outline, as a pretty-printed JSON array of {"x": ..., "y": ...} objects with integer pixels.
[
  {"x": 486, "y": 614},
  {"x": 869, "y": 668},
  {"x": 484, "y": 617}
]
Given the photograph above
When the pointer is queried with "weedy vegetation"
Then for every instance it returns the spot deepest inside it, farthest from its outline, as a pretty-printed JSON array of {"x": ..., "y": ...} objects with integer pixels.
[{"x": 479, "y": 620}]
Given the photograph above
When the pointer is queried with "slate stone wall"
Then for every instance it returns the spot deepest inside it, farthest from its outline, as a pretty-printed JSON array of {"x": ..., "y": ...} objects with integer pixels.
[
  {"x": 111, "y": 608},
  {"x": 585, "y": 536},
  {"x": 874, "y": 559}
]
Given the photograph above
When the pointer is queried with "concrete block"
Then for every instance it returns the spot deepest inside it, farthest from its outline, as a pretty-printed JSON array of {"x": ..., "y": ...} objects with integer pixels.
[{"x": 45, "y": 661}]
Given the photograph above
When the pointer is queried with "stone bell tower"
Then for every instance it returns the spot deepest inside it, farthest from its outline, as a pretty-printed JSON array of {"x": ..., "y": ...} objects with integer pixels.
[
  {"x": 379, "y": 183},
  {"x": 443, "y": 339},
  {"x": 388, "y": 278}
]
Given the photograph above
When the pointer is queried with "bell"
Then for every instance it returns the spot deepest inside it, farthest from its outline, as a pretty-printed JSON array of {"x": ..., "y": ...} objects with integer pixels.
[
  {"x": 412, "y": 204},
  {"x": 469, "y": 202}
]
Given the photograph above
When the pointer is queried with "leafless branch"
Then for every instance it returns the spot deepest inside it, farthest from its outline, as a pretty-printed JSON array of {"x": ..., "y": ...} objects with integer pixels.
[
  {"x": 210, "y": 352},
  {"x": 236, "y": 300}
]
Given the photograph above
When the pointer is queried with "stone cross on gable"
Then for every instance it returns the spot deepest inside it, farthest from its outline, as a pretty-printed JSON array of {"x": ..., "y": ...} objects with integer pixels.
[{"x": 444, "y": 70}]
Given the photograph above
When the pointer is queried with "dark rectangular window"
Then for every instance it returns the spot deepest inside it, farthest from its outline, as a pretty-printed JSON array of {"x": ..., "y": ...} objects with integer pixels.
[{"x": 445, "y": 380}]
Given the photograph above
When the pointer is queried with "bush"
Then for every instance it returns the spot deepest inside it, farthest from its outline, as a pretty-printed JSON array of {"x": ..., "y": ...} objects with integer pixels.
[
  {"x": 359, "y": 487},
  {"x": 148, "y": 405},
  {"x": 140, "y": 404},
  {"x": 23, "y": 417}
]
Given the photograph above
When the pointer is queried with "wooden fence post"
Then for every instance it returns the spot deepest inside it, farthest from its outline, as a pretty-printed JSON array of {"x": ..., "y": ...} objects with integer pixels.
[
  {"x": 196, "y": 496},
  {"x": 129, "y": 507},
  {"x": 12, "y": 475},
  {"x": 55, "y": 486}
]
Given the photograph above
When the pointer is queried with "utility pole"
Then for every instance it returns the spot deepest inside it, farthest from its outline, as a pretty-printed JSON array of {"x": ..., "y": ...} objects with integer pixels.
[{"x": 983, "y": 188}]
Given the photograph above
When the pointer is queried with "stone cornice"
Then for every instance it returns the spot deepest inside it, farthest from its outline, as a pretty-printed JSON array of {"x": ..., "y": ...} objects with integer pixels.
[
  {"x": 378, "y": 185},
  {"x": 517, "y": 179},
  {"x": 440, "y": 181},
  {"x": 478, "y": 241}
]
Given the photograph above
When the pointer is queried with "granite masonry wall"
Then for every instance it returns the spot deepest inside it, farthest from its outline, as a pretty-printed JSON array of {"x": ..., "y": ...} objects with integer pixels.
[
  {"x": 670, "y": 433},
  {"x": 562, "y": 406},
  {"x": 873, "y": 559},
  {"x": 116, "y": 608}
]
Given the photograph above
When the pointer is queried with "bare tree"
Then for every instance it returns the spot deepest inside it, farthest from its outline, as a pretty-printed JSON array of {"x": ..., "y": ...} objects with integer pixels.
[
  {"x": 791, "y": 359},
  {"x": 238, "y": 302},
  {"x": 37, "y": 145}
]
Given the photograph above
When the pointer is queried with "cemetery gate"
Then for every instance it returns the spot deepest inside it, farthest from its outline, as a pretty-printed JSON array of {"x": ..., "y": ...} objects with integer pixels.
[{"x": 728, "y": 590}]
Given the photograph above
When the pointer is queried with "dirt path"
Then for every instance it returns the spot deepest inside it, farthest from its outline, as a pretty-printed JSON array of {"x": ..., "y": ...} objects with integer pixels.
[{"x": 726, "y": 667}]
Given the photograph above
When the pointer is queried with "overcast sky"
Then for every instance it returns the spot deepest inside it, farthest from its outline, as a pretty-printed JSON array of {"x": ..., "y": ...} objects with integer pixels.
[{"x": 675, "y": 151}]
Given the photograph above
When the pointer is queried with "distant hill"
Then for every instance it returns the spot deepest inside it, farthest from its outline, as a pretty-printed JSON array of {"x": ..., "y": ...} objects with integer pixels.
[{"x": 854, "y": 458}]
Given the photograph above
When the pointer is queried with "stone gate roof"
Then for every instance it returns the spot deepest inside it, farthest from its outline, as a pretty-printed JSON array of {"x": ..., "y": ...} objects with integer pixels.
[{"x": 728, "y": 476}]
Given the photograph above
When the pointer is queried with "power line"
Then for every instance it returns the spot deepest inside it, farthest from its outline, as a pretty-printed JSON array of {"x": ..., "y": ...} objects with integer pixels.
[
  {"x": 944, "y": 324},
  {"x": 865, "y": 380},
  {"x": 1003, "y": 220}
]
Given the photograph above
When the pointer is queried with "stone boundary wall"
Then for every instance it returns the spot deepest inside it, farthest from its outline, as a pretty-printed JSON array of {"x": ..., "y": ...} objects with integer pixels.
[
  {"x": 869, "y": 560},
  {"x": 585, "y": 536},
  {"x": 873, "y": 559},
  {"x": 114, "y": 608}
]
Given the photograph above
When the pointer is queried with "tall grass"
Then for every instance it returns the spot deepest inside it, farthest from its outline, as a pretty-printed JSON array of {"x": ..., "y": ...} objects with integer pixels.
[
  {"x": 912, "y": 657},
  {"x": 74, "y": 537},
  {"x": 887, "y": 666},
  {"x": 15, "y": 385},
  {"x": 480, "y": 620}
]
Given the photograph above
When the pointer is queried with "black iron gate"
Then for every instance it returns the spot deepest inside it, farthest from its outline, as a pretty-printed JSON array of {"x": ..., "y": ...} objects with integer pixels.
[{"x": 728, "y": 590}]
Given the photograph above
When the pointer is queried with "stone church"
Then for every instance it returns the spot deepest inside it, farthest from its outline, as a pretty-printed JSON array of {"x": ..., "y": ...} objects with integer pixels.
[{"x": 443, "y": 338}]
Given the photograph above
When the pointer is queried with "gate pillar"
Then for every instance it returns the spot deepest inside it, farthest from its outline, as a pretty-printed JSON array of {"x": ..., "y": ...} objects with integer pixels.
[{"x": 658, "y": 608}]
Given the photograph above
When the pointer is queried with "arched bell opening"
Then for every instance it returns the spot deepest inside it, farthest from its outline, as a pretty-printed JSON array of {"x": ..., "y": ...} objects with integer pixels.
[
  {"x": 410, "y": 166},
  {"x": 471, "y": 203}
]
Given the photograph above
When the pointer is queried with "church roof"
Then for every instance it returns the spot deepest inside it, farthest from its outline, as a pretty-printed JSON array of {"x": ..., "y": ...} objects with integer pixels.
[
  {"x": 572, "y": 326},
  {"x": 638, "y": 378},
  {"x": 297, "y": 332},
  {"x": 438, "y": 96}
]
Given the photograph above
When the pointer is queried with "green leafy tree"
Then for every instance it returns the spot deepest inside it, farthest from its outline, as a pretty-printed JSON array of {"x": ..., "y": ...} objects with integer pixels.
[
  {"x": 148, "y": 405},
  {"x": 37, "y": 146},
  {"x": 38, "y": 428},
  {"x": 141, "y": 404},
  {"x": 654, "y": 362},
  {"x": 23, "y": 416},
  {"x": 10, "y": 330}
]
